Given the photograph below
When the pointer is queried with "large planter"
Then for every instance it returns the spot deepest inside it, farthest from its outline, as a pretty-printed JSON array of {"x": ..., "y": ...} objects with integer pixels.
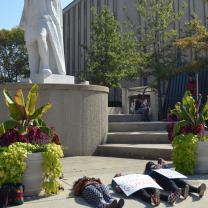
[
  {"x": 33, "y": 175},
  {"x": 202, "y": 158}
]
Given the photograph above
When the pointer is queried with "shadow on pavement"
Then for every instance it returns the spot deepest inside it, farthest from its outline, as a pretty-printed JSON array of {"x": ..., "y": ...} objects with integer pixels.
[
  {"x": 81, "y": 201},
  {"x": 198, "y": 177},
  {"x": 77, "y": 199},
  {"x": 34, "y": 198}
]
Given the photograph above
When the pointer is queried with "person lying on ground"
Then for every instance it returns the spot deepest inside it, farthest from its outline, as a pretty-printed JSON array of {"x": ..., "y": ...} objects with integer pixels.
[
  {"x": 95, "y": 193},
  {"x": 148, "y": 195},
  {"x": 177, "y": 186}
]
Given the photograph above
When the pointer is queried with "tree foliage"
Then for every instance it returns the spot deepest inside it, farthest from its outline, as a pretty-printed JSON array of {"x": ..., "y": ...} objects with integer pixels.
[
  {"x": 112, "y": 54},
  {"x": 194, "y": 41},
  {"x": 156, "y": 40},
  {"x": 13, "y": 56}
]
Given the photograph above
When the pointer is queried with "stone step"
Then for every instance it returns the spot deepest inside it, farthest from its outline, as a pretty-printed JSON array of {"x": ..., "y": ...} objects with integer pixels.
[
  {"x": 141, "y": 151},
  {"x": 137, "y": 126},
  {"x": 150, "y": 137},
  {"x": 124, "y": 118}
]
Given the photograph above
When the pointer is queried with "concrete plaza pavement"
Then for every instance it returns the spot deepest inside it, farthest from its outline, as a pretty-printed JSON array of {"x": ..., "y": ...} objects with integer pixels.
[{"x": 105, "y": 168}]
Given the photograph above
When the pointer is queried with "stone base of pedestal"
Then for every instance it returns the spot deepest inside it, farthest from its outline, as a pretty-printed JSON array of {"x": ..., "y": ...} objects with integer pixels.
[{"x": 51, "y": 79}]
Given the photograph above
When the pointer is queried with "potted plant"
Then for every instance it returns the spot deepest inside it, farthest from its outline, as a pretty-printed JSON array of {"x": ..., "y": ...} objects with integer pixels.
[
  {"x": 83, "y": 78},
  {"x": 190, "y": 145},
  {"x": 30, "y": 151}
]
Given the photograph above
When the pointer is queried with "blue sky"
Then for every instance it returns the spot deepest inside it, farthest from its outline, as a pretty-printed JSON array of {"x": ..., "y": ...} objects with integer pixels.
[{"x": 10, "y": 12}]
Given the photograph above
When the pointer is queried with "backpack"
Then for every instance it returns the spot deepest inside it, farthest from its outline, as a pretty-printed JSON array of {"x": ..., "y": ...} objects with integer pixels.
[{"x": 11, "y": 194}]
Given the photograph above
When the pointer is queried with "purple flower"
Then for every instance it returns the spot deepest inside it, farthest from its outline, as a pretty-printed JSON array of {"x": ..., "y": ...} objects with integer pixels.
[
  {"x": 12, "y": 136},
  {"x": 36, "y": 136}
]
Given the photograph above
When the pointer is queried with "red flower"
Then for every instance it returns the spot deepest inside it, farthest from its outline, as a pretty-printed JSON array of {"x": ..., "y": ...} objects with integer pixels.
[
  {"x": 36, "y": 136},
  {"x": 199, "y": 129},
  {"x": 12, "y": 136}
]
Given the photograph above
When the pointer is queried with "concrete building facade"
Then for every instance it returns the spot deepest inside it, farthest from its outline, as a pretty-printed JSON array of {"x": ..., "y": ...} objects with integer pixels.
[{"x": 77, "y": 18}]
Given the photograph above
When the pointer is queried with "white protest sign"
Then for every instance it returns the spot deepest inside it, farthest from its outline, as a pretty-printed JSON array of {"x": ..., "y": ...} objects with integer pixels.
[
  {"x": 134, "y": 182},
  {"x": 169, "y": 173}
]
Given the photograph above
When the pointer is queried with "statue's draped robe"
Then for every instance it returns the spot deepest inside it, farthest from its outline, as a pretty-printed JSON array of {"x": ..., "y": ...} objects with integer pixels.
[{"x": 38, "y": 14}]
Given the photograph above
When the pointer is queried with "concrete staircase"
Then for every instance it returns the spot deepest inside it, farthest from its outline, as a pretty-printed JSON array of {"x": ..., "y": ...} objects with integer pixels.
[
  {"x": 144, "y": 140},
  {"x": 124, "y": 118}
]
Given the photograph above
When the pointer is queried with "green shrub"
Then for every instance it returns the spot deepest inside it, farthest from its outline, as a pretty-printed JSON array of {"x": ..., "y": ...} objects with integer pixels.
[
  {"x": 12, "y": 163},
  {"x": 52, "y": 168},
  {"x": 184, "y": 153}
]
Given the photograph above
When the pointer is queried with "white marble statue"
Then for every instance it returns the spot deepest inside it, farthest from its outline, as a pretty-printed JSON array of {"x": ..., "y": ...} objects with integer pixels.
[{"x": 42, "y": 22}]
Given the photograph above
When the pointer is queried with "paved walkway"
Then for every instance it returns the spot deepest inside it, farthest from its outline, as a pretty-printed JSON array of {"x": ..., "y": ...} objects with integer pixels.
[{"x": 105, "y": 168}]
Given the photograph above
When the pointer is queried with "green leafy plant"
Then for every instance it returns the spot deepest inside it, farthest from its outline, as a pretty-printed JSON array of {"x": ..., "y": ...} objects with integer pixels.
[
  {"x": 156, "y": 38},
  {"x": 112, "y": 53},
  {"x": 191, "y": 118},
  {"x": 194, "y": 39},
  {"x": 13, "y": 56},
  {"x": 184, "y": 153},
  {"x": 52, "y": 168},
  {"x": 24, "y": 114},
  {"x": 12, "y": 163}
]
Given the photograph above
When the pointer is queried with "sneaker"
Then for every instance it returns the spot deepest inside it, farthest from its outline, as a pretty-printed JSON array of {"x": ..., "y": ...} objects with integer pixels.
[
  {"x": 161, "y": 161},
  {"x": 113, "y": 204},
  {"x": 120, "y": 203},
  {"x": 201, "y": 189},
  {"x": 155, "y": 198},
  {"x": 178, "y": 193},
  {"x": 172, "y": 198},
  {"x": 185, "y": 191}
]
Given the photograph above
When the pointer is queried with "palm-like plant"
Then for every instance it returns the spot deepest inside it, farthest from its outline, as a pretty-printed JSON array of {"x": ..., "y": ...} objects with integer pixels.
[
  {"x": 191, "y": 116},
  {"x": 24, "y": 115}
]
